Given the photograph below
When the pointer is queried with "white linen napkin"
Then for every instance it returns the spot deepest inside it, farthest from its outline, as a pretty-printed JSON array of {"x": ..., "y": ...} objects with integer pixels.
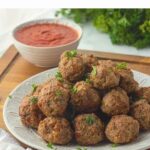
[{"x": 7, "y": 142}]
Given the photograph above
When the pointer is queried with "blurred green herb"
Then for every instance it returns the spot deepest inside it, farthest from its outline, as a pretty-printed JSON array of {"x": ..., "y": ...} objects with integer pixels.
[
  {"x": 87, "y": 80},
  {"x": 71, "y": 54},
  {"x": 114, "y": 145},
  {"x": 34, "y": 87},
  {"x": 74, "y": 90},
  {"x": 10, "y": 97},
  {"x": 51, "y": 146},
  {"x": 33, "y": 100},
  {"x": 58, "y": 93},
  {"x": 83, "y": 148},
  {"x": 122, "y": 65},
  {"x": 94, "y": 71},
  {"x": 90, "y": 119},
  {"x": 59, "y": 77},
  {"x": 124, "y": 26}
]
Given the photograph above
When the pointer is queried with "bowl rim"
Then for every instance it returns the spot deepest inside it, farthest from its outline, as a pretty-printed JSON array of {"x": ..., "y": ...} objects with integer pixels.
[{"x": 60, "y": 21}]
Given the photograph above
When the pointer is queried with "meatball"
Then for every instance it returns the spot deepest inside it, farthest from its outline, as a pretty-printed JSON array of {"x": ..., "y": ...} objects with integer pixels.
[
  {"x": 127, "y": 81},
  {"x": 36, "y": 89},
  {"x": 104, "y": 77},
  {"x": 29, "y": 112},
  {"x": 144, "y": 92},
  {"x": 115, "y": 102},
  {"x": 55, "y": 130},
  {"x": 89, "y": 60},
  {"x": 122, "y": 129},
  {"x": 89, "y": 129},
  {"x": 71, "y": 66},
  {"x": 53, "y": 98},
  {"x": 140, "y": 110},
  {"x": 84, "y": 98},
  {"x": 107, "y": 63}
]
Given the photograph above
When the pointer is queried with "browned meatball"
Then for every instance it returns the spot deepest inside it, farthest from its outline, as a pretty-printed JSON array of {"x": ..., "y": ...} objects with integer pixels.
[
  {"x": 84, "y": 98},
  {"x": 127, "y": 81},
  {"x": 29, "y": 112},
  {"x": 104, "y": 77},
  {"x": 141, "y": 111},
  {"x": 116, "y": 102},
  {"x": 144, "y": 93},
  {"x": 106, "y": 63},
  {"x": 89, "y": 129},
  {"x": 122, "y": 129},
  {"x": 55, "y": 130},
  {"x": 71, "y": 66},
  {"x": 53, "y": 98},
  {"x": 89, "y": 61}
]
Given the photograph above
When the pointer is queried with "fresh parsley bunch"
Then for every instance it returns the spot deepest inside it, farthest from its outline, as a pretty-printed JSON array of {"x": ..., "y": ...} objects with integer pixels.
[{"x": 124, "y": 26}]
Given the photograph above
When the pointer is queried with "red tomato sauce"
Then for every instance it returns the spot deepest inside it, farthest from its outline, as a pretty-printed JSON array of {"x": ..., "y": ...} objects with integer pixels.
[{"x": 46, "y": 34}]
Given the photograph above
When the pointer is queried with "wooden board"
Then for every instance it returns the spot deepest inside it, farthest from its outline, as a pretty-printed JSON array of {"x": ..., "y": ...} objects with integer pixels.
[{"x": 14, "y": 69}]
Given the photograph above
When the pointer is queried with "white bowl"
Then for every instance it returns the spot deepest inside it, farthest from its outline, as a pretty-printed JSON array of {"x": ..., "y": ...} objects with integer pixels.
[{"x": 46, "y": 56}]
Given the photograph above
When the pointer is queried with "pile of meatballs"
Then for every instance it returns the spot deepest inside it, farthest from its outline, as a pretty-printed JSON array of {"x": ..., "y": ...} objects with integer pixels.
[{"x": 88, "y": 101}]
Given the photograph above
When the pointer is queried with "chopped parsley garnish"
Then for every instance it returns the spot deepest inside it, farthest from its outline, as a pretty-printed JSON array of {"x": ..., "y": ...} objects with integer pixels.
[
  {"x": 79, "y": 148},
  {"x": 34, "y": 87},
  {"x": 33, "y": 100},
  {"x": 71, "y": 54},
  {"x": 90, "y": 119},
  {"x": 59, "y": 77},
  {"x": 122, "y": 65},
  {"x": 51, "y": 146},
  {"x": 58, "y": 93},
  {"x": 94, "y": 71},
  {"x": 87, "y": 80},
  {"x": 74, "y": 90},
  {"x": 10, "y": 97},
  {"x": 114, "y": 145}
]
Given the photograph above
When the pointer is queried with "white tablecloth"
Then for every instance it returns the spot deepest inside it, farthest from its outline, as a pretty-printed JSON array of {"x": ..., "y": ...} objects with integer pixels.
[{"x": 92, "y": 39}]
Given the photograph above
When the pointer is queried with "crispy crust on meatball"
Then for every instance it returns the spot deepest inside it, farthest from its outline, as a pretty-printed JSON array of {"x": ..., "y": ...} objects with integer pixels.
[
  {"x": 107, "y": 63},
  {"x": 140, "y": 110},
  {"x": 53, "y": 98},
  {"x": 144, "y": 92},
  {"x": 30, "y": 113},
  {"x": 89, "y": 60},
  {"x": 85, "y": 99},
  {"x": 89, "y": 129},
  {"x": 72, "y": 69},
  {"x": 115, "y": 102},
  {"x": 104, "y": 78},
  {"x": 55, "y": 130},
  {"x": 127, "y": 81},
  {"x": 122, "y": 129}
]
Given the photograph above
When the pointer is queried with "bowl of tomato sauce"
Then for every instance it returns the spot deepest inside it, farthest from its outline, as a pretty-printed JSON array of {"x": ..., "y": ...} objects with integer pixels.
[{"x": 41, "y": 42}]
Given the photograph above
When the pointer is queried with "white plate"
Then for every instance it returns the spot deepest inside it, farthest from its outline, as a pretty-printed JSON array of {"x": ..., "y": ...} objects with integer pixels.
[{"x": 31, "y": 138}]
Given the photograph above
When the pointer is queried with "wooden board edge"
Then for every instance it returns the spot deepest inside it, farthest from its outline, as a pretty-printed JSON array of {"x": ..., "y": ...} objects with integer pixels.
[{"x": 8, "y": 57}]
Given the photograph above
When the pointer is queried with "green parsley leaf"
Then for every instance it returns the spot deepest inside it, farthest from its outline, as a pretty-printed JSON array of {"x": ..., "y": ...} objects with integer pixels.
[
  {"x": 94, "y": 71},
  {"x": 58, "y": 93},
  {"x": 34, "y": 87},
  {"x": 74, "y": 90},
  {"x": 122, "y": 65},
  {"x": 10, "y": 97},
  {"x": 114, "y": 145},
  {"x": 71, "y": 54},
  {"x": 50, "y": 145},
  {"x": 87, "y": 80},
  {"x": 79, "y": 148},
  {"x": 33, "y": 100},
  {"x": 90, "y": 119},
  {"x": 59, "y": 77}
]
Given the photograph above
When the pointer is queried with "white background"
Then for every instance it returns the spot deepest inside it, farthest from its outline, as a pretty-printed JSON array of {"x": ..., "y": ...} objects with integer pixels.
[{"x": 92, "y": 39}]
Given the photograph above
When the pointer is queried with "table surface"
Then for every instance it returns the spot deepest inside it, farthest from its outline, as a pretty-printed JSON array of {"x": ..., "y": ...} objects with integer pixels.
[{"x": 14, "y": 69}]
